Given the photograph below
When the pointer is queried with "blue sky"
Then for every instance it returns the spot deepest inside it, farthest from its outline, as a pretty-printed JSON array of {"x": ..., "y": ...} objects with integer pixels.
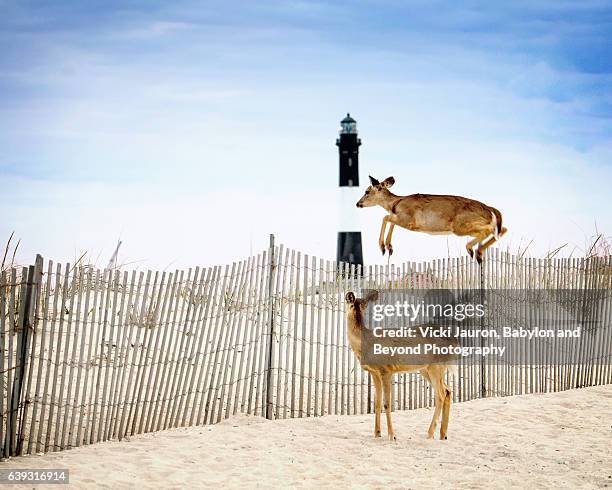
[{"x": 194, "y": 129}]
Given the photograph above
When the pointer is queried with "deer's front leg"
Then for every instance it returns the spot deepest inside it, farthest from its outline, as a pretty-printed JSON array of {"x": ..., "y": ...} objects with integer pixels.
[
  {"x": 381, "y": 238},
  {"x": 388, "y": 240},
  {"x": 386, "y": 381}
]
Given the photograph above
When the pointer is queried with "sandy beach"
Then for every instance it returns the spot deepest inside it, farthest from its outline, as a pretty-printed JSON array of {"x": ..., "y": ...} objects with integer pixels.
[{"x": 560, "y": 440}]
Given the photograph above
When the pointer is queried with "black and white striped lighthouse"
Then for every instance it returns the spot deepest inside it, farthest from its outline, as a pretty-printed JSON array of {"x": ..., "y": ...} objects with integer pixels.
[{"x": 349, "y": 236}]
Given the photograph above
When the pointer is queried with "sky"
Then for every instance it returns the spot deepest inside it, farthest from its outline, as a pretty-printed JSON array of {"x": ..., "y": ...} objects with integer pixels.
[{"x": 190, "y": 131}]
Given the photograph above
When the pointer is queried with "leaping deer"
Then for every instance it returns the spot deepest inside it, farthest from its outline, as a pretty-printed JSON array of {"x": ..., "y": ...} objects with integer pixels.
[
  {"x": 435, "y": 215},
  {"x": 431, "y": 367}
]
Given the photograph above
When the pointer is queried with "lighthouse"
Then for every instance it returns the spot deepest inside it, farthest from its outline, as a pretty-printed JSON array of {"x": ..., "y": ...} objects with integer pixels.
[{"x": 349, "y": 236}]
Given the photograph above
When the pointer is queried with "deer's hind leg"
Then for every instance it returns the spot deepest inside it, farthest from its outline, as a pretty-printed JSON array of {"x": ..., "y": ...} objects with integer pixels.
[
  {"x": 445, "y": 411},
  {"x": 470, "y": 247},
  {"x": 377, "y": 401},
  {"x": 483, "y": 246},
  {"x": 436, "y": 383},
  {"x": 478, "y": 239}
]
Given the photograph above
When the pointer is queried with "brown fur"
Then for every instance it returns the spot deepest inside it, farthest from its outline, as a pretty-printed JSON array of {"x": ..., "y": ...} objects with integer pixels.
[
  {"x": 382, "y": 375},
  {"x": 434, "y": 214}
]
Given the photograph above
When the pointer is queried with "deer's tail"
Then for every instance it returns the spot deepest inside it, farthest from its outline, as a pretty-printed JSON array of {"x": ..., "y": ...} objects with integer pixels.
[{"x": 497, "y": 222}]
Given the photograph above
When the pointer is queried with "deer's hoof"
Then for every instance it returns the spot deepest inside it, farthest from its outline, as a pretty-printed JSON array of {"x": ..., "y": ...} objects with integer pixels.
[
  {"x": 392, "y": 437},
  {"x": 390, "y": 249},
  {"x": 479, "y": 258},
  {"x": 377, "y": 433},
  {"x": 470, "y": 253}
]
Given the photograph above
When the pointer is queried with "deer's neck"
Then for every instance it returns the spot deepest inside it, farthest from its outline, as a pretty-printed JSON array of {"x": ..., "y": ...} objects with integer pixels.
[
  {"x": 389, "y": 200},
  {"x": 355, "y": 327}
]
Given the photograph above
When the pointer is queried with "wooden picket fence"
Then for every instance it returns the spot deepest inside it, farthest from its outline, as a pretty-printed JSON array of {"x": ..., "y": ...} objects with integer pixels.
[{"x": 90, "y": 355}]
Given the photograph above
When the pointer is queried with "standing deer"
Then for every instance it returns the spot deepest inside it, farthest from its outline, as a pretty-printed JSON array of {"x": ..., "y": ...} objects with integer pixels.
[
  {"x": 436, "y": 215},
  {"x": 432, "y": 368}
]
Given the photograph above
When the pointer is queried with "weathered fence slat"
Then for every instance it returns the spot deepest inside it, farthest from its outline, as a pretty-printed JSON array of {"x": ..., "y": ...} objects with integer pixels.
[
  {"x": 240, "y": 341},
  {"x": 79, "y": 396},
  {"x": 225, "y": 298},
  {"x": 152, "y": 389},
  {"x": 196, "y": 345},
  {"x": 99, "y": 354},
  {"x": 111, "y": 357},
  {"x": 132, "y": 319},
  {"x": 123, "y": 348},
  {"x": 30, "y": 358},
  {"x": 169, "y": 329},
  {"x": 119, "y": 345},
  {"x": 251, "y": 379},
  {"x": 294, "y": 349},
  {"x": 209, "y": 326},
  {"x": 4, "y": 286},
  {"x": 151, "y": 315},
  {"x": 311, "y": 334},
  {"x": 283, "y": 338},
  {"x": 187, "y": 340},
  {"x": 71, "y": 340},
  {"x": 275, "y": 259},
  {"x": 141, "y": 343},
  {"x": 175, "y": 344},
  {"x": 56, "y": 359},
  {"x": 232, "y": 306},
  {"x": 273, "y": 385}
]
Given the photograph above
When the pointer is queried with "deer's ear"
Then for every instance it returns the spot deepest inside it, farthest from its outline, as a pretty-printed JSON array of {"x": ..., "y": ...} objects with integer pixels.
[
  {"x": 388, "y": 182},
  {"x": 350, "y": 297},
  {"x": 373, "y": 181}
]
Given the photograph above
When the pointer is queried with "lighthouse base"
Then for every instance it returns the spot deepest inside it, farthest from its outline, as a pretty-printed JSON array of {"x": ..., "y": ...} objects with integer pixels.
[{"x": 349, "y": 247}]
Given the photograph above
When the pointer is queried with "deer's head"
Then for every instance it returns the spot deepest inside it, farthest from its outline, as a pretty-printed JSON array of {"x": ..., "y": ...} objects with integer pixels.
[
  {"x": 376, "y": 193},
  {"x": 359, "y": 304},
  {"x": 354, "y": 314}
]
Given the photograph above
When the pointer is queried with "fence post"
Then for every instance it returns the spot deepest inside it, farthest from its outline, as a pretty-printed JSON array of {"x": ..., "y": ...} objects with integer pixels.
[
  {"x": 15, "y": 424},
  {"x": 271, "y": 318},
  {"x": 483, "y": 376},
  {"x": 12, "y": 422},
  {"x": 29, "y": 332}
]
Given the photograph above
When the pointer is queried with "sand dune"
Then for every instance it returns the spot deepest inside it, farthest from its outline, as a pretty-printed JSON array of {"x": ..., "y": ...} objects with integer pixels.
[{"x": 538, "y": 441}]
